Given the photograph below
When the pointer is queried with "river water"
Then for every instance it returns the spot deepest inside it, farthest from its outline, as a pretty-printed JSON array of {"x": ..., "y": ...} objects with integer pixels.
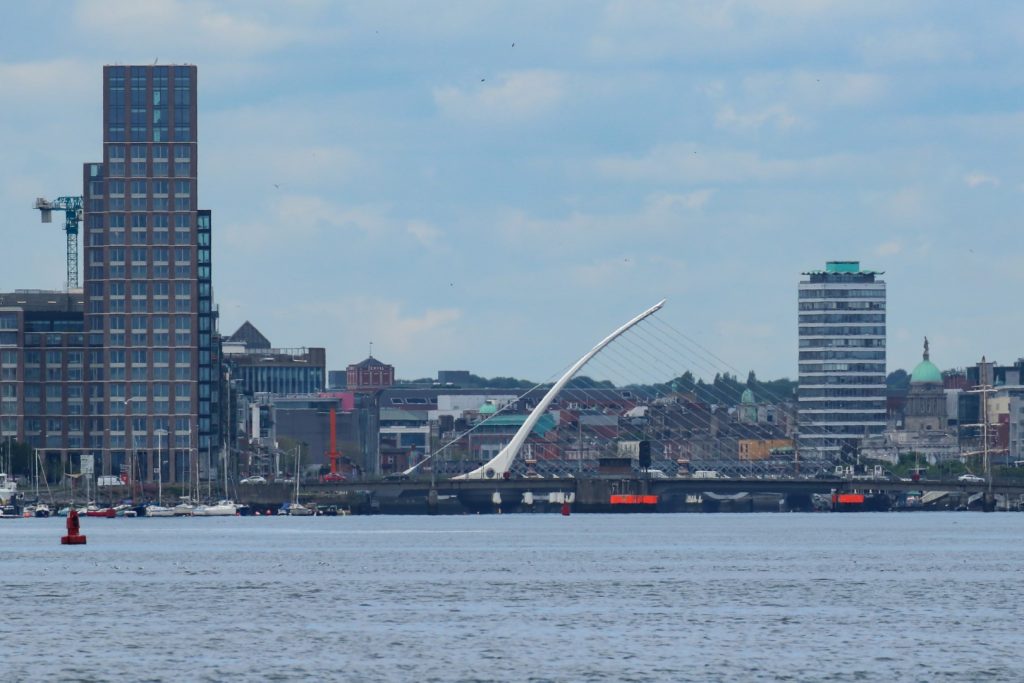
[{"x": 700, "y": 597}]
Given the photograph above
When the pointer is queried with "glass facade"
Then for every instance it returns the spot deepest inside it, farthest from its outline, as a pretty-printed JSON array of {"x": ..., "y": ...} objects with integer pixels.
[
  {"x": 42, "y": 374},
  {"x": 288, "y": 378}
]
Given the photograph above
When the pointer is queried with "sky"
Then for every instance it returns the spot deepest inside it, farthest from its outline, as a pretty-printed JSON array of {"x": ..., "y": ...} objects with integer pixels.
[{"x": 495, "y": 186}]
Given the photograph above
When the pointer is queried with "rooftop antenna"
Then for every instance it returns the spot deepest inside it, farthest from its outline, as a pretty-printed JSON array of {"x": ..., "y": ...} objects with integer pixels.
[{"x": 371, "y": 349}]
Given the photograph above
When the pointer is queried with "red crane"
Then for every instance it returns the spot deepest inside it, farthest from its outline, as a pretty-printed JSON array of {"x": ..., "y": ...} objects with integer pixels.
[{"x": 334, "y": 454}]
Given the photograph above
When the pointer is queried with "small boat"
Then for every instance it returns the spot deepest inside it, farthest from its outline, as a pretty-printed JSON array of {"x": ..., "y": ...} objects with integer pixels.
[
  {"x": 158, "y": 511},
  {"x": 185, "y": 508},
  {"x": 300, "y": 510},
  {"x": 8, "y": 489},
  {"x": 94, "y": 511},
  {"x": 42, "y": 510},
  {"x": 223, "y": 508}
]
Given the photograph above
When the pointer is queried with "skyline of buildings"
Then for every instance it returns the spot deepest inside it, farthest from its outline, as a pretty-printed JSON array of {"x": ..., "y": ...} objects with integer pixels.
[{"x": 134, "y": 362}]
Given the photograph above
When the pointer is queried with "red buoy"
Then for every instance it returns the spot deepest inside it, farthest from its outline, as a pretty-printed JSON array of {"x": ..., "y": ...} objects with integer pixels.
[
  {"x": 73, "y": 537},
  {"x": 565, "y": 509}
]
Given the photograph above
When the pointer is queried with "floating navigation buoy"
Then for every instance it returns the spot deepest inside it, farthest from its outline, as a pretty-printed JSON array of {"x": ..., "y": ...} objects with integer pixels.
[
  {"x": 565, "y": 509},
  {"x": 73, "y": 537}
]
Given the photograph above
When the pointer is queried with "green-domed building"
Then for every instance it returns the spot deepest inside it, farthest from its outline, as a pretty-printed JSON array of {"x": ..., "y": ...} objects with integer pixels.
[{"x": 926, "y": 402}]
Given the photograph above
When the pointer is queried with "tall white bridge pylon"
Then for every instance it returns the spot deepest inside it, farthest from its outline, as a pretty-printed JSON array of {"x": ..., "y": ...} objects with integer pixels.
[{"x": 499, "y": 466}]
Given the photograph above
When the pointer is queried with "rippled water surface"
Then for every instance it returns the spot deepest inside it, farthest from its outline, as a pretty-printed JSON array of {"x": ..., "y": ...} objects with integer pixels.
[{"x": 799, "y": 597}]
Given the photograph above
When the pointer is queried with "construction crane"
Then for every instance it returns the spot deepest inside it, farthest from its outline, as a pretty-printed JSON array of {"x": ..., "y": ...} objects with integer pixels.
[{"x": 72, "y": 208}]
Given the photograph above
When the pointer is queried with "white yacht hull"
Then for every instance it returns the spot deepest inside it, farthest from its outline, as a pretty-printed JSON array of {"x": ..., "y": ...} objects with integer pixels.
[
  {"x": 218, "y": 510},
  {"x": 297, "y": 510}
]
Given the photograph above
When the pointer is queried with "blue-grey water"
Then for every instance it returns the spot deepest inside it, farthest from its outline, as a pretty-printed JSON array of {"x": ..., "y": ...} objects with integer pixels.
[{"x": 795, "y": 597}]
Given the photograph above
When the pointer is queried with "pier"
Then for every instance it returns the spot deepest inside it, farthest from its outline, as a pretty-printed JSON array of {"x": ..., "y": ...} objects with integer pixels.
[{"x": 603, "y": 494}]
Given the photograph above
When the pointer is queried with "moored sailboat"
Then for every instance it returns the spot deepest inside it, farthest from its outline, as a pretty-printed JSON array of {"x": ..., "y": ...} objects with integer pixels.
[{"x": 222, "y": 508}]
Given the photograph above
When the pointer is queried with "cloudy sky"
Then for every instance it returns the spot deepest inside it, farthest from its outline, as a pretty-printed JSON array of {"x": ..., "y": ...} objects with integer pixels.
[{"x": 494, "y": 186}]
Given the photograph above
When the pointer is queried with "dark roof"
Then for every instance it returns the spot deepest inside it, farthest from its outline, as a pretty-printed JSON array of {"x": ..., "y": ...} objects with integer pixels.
[
  {"x": 38, "y": 300},
  {"x": 250, "y": 336},
  {"x": 370, "y": 362}
]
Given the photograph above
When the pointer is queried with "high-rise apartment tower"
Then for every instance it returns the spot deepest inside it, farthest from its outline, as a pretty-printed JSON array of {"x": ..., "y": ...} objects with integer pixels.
[
  {"x": 842, "y": 360},
  {"x": 149, "y": 319}
]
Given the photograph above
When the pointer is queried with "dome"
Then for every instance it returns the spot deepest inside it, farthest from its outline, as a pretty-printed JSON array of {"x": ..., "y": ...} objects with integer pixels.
[
  {"x": 926, "y": 372},
  {"x": 747, "y": 396}
]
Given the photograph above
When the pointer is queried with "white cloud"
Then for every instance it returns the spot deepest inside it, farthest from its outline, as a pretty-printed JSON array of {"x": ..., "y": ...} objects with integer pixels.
[
  {"x": 693, "y": 163},
  {"x": 891, "y": 248},
  {"x": 50, "y": 81},
  {"x": 304, "y": 219},
  {"x": 631, "y": 30},
  {"x": 978, "y": 179},
  {"x": 815, "y": 89},
  {"x": 905, "y": 205},
  {"x": 660, "y": 203},
  {"x": 778, "y": 115},
  {"x": 603, "y": 273},
  {"x": 914, "y": 45},
  {"x": 179, "y": 28},
  {"x": 424, "y": 233},
  {"x": 397, "y": 335},
  {"x": 510, "y": 96}
]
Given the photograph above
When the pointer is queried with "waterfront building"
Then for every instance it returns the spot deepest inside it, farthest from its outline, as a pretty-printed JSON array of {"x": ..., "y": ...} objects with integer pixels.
[
  {"x": 249, "y": 338},
  {"x": 1004, "y": 386},
  {"x": 922, "y": 428},
  {"x": 150, "y": 323},
  {"x": 42, "y": 374},
  {"x": 369, "y": 375},
  {"x": 762, "y": 449},
  {"x": 842, "y": 393},
  {"x": 257, "y": 368},
  {"x": 337, "y": 380},
  {"x": 278, "y": 371},
  {"x": 925, "y": 408}
]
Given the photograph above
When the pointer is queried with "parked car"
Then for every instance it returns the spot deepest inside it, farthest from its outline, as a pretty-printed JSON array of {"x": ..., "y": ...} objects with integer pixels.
[
  {"x": 971, "y": 478},
  {"x": 253, "y": 480},
  {"x": 334, "y": 477}
]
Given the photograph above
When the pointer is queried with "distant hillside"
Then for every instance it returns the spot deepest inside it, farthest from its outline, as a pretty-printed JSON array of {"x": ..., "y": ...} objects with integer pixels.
[{"x": 725, "y": 389}]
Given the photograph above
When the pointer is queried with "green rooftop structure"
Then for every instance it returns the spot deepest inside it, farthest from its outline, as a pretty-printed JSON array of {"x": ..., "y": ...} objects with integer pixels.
[
  {"x": 500, "y": 423},
  {"x": 926, "y": 371},
  {"x": 842, "y": 267},
  {"x": 837, "y": 270}
]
